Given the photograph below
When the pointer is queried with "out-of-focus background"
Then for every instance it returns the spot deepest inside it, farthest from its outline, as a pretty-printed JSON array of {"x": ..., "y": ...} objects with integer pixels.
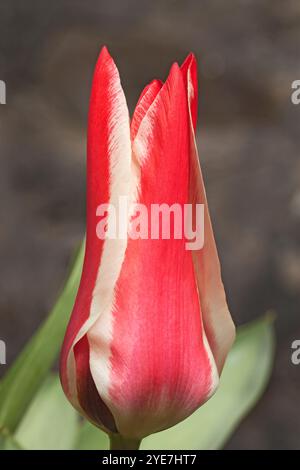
[{"x": 249, "y": 54}]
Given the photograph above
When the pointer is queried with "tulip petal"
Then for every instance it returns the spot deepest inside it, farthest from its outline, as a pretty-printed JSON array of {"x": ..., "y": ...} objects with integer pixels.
[
  {"x": 161, "y": 367},
  {"x": 146, "y": 99},
  {"x": 217, "y": 321},
  {"x": 108, "y": 176},
  {"x": 189, "y": 72}
]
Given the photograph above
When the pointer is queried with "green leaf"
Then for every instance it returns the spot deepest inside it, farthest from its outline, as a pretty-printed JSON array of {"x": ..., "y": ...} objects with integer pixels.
[
  {"x": 91, "y": 438},
  {"x": 31, "y": 367},
  {"x": 244, "y": 379},
  {"x": 50, "y": 422},
  {"x": 8, "y": 442}
]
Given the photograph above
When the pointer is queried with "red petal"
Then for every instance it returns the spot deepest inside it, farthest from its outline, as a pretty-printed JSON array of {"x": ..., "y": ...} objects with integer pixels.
[
  {"x": 217, "y": 321},
  {"x": 189, "y": 72},
  {"x": 108, "y": 153},
  {"x": 147, "y": 97}
]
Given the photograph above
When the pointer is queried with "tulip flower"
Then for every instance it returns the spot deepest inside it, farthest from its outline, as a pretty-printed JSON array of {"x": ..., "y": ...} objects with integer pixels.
[{"x": 150, "y": 328}]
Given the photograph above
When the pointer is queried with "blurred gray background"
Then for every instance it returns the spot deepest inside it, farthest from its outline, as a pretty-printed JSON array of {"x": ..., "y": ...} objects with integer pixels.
[{"x": 248, "y": 53}]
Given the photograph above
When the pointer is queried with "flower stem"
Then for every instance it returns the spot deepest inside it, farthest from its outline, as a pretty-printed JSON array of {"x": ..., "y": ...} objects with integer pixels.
[{"x": 118, "y": 442}]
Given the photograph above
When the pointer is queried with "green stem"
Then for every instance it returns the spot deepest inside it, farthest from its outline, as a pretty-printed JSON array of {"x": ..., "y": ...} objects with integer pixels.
[{"x": 118, "y": 442}]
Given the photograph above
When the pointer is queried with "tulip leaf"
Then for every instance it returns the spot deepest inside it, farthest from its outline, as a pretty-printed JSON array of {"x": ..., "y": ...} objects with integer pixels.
[
  {"x": 50, "y": 422},
  {"x": 31, "y": 367},
  {"x": 91, "y": 438},
  {"x": 245, "y": 376},
  {"x": 41, "y": 427},
  {"x": 8, "y": 442}
]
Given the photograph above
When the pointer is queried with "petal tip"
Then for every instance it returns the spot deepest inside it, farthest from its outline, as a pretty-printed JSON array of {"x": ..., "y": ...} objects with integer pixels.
[
  {"x": 174, "y": 71},
  {"x": 104, "y": 51},
  {"x": 104, "y": 56},
  {"x": 189, "y": 62}
]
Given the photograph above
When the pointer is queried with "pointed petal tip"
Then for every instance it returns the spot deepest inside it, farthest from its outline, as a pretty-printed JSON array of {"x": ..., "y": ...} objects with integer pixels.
[
  {"x": 174, "y": 70},
  {"x": 104, "y": 50},
  {"x": 156, "y": 81},
  {"x": 105, "y": 61},
  {"x": 189, "y": 61},
  {"x": 174, "y": 66},
  {"x": 104, "y": 54},
  {"x": 191, "y": 56}
]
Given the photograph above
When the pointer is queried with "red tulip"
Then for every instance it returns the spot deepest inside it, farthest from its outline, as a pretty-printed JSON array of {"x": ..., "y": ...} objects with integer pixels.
[{"x": 150, "y": 328}]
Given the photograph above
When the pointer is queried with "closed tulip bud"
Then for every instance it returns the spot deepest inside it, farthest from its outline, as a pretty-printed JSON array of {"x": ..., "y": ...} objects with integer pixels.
[{"x": 150, "y": 328}]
